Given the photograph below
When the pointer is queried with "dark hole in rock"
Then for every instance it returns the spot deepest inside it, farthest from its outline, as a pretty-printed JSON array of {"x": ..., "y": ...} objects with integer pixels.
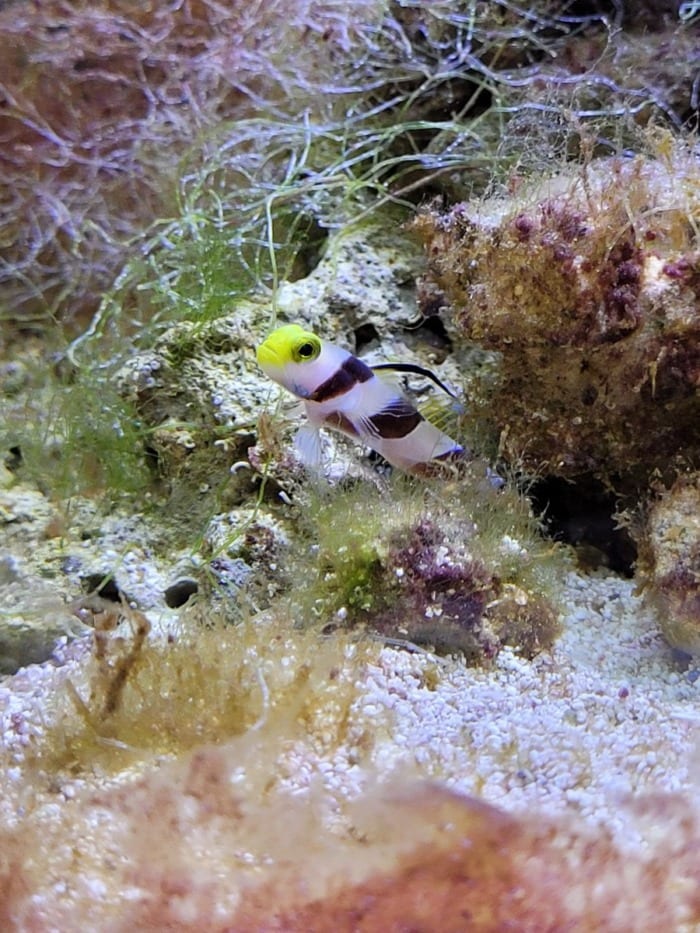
[
  {"x": 583, "y": 514},
  {"x": 152, "y": 458},
  {"x": 612, "y": 10},
  {"x": 13, "y": 460},
  {"x": 428, "y": 335},
  {"x": 179, "y": 592},
  {"x": 686, "y": 663},
  {"x": 103, "y": 585},
  {"x": 432, "y": 331},
  {"x": 690, "y": 118},
  {"x": 365, "y": 334}
]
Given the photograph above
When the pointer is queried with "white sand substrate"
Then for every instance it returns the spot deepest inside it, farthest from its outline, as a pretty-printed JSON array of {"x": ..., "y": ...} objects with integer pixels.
[{"x": 608, "y": 718}]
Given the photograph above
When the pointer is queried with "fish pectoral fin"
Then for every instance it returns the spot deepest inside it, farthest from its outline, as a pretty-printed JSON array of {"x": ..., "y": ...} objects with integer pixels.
[
  {"x": 445, "y": 413},
  {"x": 307, "y": 443}
]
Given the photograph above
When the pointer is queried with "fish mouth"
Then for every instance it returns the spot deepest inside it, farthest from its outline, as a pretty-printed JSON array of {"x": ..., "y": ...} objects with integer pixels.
[{"x": 267, "y": 355}]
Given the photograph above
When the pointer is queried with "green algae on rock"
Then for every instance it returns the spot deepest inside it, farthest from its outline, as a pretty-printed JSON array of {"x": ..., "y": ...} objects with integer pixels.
[
  {"x": 588, "y": 285},
  {"x": 458, "y": 567},
  {"x": 107, "y": 107}
]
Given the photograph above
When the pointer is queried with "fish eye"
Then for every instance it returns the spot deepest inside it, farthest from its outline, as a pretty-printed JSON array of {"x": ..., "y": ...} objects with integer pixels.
[{"x": 307, "y": 350}]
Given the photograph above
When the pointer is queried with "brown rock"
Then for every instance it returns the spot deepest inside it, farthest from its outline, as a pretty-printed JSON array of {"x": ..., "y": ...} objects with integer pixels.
[
  {"x": 589, "y": 289},
  {"x": 182, "y": 849},
  {"x": 669, "y": 565}
]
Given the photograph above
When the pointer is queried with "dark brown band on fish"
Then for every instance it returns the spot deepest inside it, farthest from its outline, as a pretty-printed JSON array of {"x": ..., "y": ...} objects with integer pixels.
[
  {"x": 397, "y": 421},
  {"x": 344, "y": 378}
]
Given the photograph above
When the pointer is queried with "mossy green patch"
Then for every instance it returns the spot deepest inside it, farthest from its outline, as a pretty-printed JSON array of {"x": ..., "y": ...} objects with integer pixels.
[
  {"x": 76, "y": 435},
  {"x": 459, "y": 566}
]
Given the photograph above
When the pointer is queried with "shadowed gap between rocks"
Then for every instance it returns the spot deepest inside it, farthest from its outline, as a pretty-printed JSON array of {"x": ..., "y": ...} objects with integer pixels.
[{"x": 583, "y": 514}]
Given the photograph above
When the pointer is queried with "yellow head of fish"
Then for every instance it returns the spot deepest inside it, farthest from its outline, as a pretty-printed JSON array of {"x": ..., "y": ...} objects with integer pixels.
[{"x": 286, "y": 353}]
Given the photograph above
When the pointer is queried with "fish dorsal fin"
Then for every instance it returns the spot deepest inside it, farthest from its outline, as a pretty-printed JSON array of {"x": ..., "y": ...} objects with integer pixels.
[{"x": 416, "y": 370}]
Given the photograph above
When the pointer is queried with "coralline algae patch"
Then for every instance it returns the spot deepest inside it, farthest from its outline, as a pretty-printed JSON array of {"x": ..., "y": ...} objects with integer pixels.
[{"x": 604, "y": 716}]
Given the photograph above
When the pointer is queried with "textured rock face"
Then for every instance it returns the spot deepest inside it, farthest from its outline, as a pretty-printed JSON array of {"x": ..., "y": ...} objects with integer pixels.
[
  {"x": 670, "y": 562},
  {"x": 589, "y": 288},
  {"x": 191, "y": 852}
]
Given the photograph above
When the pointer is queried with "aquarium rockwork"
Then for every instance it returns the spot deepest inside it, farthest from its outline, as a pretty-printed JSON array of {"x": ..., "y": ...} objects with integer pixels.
[{"x": 349, "y": 496}]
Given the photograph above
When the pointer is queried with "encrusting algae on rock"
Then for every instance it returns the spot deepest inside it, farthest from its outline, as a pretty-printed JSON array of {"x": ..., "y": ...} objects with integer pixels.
[{"x": 587, "y": 286}]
